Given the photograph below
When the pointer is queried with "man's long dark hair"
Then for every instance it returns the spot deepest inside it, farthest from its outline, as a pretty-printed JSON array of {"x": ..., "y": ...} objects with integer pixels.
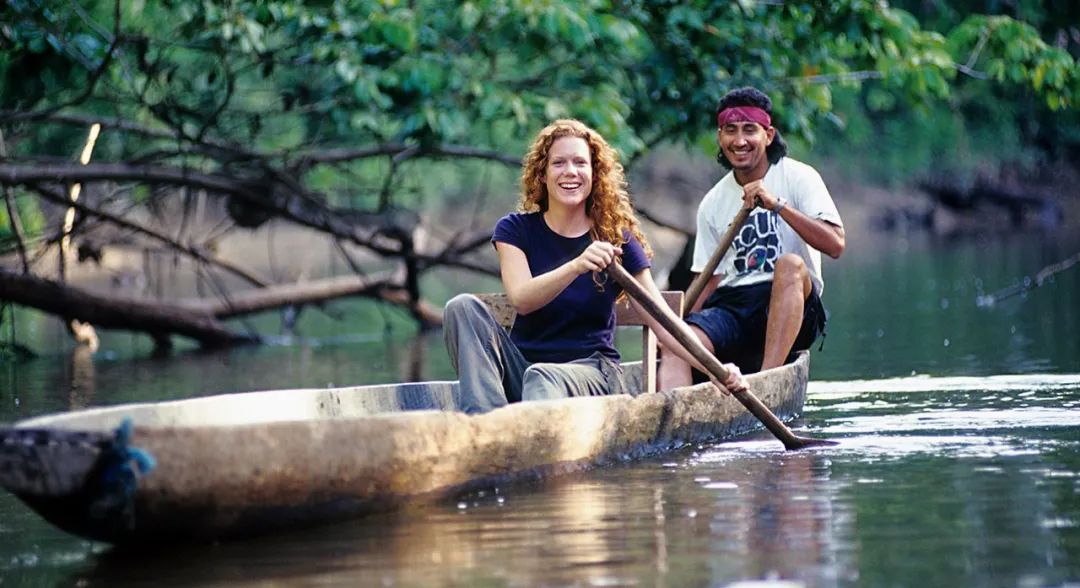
[{"x": 749, "y": 96}]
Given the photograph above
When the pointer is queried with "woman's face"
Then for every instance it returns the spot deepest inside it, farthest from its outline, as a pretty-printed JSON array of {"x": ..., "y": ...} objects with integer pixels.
[{"x": 568, "y": 175}]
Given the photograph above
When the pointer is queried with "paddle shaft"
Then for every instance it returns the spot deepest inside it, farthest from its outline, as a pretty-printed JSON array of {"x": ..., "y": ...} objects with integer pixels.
[
  {"x": 686, "y": 337},
  {"x": 694, "y": 291}
]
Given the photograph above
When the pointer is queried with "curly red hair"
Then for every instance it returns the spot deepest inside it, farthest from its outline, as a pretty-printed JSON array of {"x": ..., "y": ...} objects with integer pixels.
[{"x": 608, "y": 205}]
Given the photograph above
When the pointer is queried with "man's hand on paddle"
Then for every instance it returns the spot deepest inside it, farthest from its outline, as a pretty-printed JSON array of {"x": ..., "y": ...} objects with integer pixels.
[
  {"x": 597, "y": 256},
  {"x": 755, "y": 194}
]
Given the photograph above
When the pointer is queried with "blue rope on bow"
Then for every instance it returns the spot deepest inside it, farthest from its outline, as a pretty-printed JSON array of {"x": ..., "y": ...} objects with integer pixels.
[
  {"x": 142, "y": 458},
  {"x": 118, "y": 479}
]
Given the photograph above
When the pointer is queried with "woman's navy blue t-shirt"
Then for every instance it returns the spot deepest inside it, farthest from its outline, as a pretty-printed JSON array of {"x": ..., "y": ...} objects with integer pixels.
[{"x": 581, "y": 319}]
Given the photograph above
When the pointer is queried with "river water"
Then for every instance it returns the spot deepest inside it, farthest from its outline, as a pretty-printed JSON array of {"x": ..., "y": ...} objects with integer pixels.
[{"x": 958, "y": 463}]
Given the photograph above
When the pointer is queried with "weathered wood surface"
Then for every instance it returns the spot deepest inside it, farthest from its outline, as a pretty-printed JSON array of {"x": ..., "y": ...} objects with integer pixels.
[{"x": 240, "y": 464}]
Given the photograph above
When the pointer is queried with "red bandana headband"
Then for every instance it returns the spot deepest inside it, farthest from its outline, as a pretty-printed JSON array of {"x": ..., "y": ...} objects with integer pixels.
[{"x": 737, "y": 114}]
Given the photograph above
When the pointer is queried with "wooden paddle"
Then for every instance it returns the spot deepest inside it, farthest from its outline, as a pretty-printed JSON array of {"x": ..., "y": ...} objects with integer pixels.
[
  {"x": 694, "y": 291},
  {"x": 684, "y": 335}
]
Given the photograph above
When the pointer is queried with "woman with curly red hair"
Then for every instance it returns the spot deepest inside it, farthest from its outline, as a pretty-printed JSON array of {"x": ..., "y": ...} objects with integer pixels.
[{"x": 575, "y": 219}]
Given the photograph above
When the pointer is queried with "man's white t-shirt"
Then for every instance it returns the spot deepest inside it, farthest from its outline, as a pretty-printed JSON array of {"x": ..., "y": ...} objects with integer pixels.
[{"x": 765, "y": 236}]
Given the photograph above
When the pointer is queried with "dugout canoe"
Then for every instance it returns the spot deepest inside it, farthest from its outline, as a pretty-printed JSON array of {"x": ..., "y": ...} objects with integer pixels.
[{"x": 240, "y": 464}]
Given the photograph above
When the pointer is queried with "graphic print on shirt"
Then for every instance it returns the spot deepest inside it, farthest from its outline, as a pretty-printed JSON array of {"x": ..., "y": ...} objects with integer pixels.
[{"x": 757, "y": 246}]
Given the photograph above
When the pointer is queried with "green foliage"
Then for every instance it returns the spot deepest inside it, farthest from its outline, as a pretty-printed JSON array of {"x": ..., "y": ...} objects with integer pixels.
[
  {"x": 890, "y": 145},
  {"x": 286, "y": 78},
  {"x": 1013, "y": 53},
  {"x": 35, "y": 63},
  {"x": 1010, "y": 104},
  {"x": 30, "y": 216}
]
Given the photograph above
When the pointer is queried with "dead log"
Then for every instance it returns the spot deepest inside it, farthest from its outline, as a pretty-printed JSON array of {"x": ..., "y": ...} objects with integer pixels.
[
  {"x": 108, "y": 312},
  {"x": 424, "y": 312},
  {"x": 261, "y": 197},
  {"x": 281, "y": 295},
  {"x": 199, "y": 318},
  {"x": 1016, "y": 202},
  {"x": 386, "y": 287}
]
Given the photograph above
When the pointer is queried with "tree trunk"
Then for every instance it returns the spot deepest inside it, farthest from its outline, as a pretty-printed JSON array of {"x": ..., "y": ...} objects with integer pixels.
[
  {"x": 383, "y": 286},
  {"x": 199, "y": 318},
  {"x": 157, "y": 320}
]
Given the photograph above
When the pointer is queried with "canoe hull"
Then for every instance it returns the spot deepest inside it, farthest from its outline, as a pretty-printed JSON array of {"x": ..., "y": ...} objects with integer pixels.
[{"x": 260, "y": 473}]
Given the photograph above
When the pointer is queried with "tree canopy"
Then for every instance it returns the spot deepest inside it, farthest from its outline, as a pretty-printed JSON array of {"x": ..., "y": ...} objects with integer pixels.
[
  {"x": 298, "y": 76},
  {"x": 330, "y": 113}
]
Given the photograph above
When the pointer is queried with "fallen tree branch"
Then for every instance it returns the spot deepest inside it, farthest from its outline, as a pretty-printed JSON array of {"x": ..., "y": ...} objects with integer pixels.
[
  {"x": 427, "y": 315},
  {"x": 281, "y": 295},
  {"x": 13, "y": 215},
  {"x": 302, "y": 210},
  {"x": 1028, "y": 283},
  {"x": 36, "y": 173},
  {"x": 83, "y": 333},
  {"x": 108, "y": 312},
  {"x": 165, "y": 239},
  {"x": 16, "y": 228},
  {"x": 198, "y": 319}
]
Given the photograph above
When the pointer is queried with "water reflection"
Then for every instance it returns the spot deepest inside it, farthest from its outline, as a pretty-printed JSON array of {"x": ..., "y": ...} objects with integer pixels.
[
  {"x": 550, "y": 533},
  {"x": 774, "y": 511},
  {"x": 83, "y": 380},
  {"x": 664, "y": 526}
]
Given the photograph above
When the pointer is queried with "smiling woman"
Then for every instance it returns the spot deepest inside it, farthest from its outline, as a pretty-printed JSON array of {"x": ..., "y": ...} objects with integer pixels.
[
  {"x": 568, "y": 178},
  {"x": 575, "y": 219}
]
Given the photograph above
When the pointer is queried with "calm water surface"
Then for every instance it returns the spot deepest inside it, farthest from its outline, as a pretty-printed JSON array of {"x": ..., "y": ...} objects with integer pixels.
[{"x": 959, "y": 462}]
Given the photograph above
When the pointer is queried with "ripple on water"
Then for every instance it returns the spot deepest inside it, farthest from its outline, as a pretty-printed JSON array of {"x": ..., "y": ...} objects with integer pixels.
[
  {"x": 967, "y": 421},
  {"x": 1025, "y": 383},
  {"x": 1058, "y": 523},
  {"x": 720, "y": 486},
  {"x": 868, "y": 448},
  {"x": 962, "y": 415}
]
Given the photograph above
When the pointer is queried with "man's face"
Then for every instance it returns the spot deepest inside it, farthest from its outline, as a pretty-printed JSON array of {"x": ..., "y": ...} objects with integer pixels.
[{"x": 744, "y": 143}]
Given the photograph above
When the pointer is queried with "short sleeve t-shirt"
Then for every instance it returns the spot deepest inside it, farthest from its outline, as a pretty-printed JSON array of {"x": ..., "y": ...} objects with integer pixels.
[
  {"x": 579, "y": 321},
  {"x": 765, "y": 236}
]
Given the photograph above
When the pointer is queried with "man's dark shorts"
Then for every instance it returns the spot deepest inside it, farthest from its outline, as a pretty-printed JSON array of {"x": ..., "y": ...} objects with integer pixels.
[{"x": 734, "y": 319}]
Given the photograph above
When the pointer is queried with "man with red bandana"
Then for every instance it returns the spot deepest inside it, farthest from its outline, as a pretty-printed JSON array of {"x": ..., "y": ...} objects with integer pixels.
[{"x": 764, "y": 300}]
